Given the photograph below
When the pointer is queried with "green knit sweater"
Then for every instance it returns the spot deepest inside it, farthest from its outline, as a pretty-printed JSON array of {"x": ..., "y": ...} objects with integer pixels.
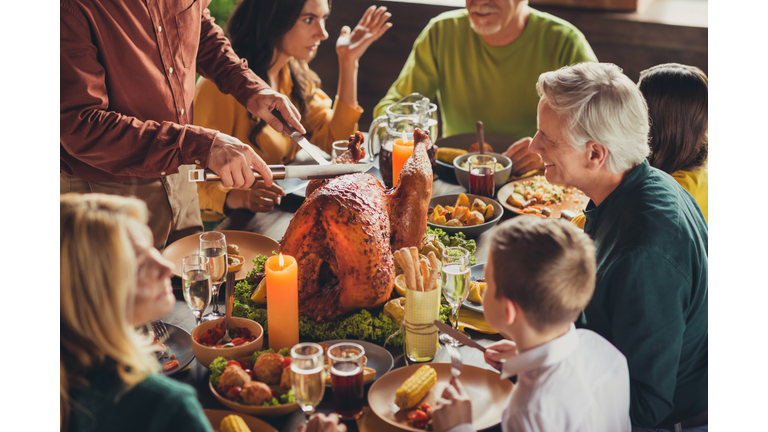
[{"x": 475, "y": 81}]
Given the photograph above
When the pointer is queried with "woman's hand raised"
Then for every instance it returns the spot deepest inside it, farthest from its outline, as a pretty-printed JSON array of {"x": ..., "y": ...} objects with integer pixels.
[{"x": 352, "y": 43}]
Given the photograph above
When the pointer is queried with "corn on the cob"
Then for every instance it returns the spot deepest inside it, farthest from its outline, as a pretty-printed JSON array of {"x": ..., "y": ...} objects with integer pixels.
[
  {"x": 233, "y": 423},
  {"x": 415, "y": 387}
]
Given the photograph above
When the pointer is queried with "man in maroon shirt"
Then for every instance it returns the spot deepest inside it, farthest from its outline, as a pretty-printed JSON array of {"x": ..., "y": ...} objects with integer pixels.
[{"x": 127, "y": 85}]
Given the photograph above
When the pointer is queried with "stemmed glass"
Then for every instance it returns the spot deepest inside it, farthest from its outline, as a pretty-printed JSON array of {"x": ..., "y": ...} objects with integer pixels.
[
  {"x": 307, "y": 376},
  {"x": 196, "y": 273},
  {"x": 213, "y": 246},
  {"x": 455, "y": 277}
]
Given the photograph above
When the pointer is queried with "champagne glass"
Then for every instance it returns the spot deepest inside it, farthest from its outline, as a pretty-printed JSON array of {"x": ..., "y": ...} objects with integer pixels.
[
  {"x": 213, "y": 246},
  {"x": 307, "y": 376},
  {"x": 455, "y": 277},
  {"x": 196, "y": 273}
]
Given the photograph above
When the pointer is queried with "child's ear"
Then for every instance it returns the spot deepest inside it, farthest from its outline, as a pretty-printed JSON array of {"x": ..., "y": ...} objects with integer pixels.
[{"x": 511, "y": 311}]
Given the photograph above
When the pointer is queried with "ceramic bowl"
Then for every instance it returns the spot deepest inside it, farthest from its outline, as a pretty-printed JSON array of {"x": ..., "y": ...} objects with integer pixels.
[
  {"x": 500, "y": 177},
  {"x": 205, "y": 355},
  {"x": 469, "y": 231}
]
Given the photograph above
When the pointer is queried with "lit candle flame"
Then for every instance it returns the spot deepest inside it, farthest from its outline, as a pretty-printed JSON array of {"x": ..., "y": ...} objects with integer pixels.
[{"x": 281, "y": 261}]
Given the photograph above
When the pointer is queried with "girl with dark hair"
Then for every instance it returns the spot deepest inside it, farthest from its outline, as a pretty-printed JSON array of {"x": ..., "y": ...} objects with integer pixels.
[
  {"x": 278, "y": 39},
  {"x": 677, "y": 105}
]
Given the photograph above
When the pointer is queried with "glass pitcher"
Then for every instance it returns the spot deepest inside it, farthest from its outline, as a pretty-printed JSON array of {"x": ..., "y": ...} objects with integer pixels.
[{"x": 402, "y": 117}]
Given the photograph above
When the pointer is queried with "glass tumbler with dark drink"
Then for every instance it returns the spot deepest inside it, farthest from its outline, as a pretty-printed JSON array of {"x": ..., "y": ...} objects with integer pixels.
[
  {"x": 482, "y": 172},
  {"x": 347, "y": 379}
]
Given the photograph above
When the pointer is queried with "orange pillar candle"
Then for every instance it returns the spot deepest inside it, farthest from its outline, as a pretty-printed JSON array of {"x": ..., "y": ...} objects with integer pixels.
[
  {"x": 282, "y": 301},
  {"x": 401, "y": 151}
]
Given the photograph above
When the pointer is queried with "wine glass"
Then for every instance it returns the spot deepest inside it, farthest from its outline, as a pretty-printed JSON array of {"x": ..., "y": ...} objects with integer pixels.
[
  {"x": 196, "y": 273},
  {"x": 213, "y": 246},
  {"x": 339, "y": 147},
  {"x": 455, "y": 277},
  {"x": 307, "y": 376}
]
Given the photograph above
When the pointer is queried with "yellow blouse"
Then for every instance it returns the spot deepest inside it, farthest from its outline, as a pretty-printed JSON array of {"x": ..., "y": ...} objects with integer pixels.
[
  {"x": 325, "y": 123},
  {"x": 696, "y": 183}
]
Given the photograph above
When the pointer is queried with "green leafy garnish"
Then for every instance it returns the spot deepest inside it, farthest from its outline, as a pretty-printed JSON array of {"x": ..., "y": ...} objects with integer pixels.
[{"x": 217, "y": 367}]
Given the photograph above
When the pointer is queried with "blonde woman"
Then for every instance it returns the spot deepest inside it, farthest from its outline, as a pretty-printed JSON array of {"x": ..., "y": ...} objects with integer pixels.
[{"x": 113, "y": 280}]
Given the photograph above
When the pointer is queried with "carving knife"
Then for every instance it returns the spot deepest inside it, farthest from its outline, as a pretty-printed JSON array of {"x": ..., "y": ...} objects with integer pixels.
[
  {"x": 304, "y": 172},
  {"x": 445, "y": 328},
  {"x": 301, "y": 140}
]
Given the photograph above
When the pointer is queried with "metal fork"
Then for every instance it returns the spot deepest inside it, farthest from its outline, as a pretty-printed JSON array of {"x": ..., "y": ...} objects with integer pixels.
[
  {"x": 456, "y": 364},
  {"x": 158, "y": 327}
]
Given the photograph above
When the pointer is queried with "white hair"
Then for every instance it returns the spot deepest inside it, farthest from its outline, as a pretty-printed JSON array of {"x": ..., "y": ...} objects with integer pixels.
[{"x": 597, "y": 102}]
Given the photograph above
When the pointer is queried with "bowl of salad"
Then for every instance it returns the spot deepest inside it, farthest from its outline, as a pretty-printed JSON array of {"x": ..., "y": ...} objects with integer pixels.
[
  {"x": 258, "y": 385},
  {"x": 247, "y": 337}
]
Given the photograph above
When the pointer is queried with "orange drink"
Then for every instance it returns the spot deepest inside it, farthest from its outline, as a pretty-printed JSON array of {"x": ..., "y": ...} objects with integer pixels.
[{"x": 401, "y": 151}]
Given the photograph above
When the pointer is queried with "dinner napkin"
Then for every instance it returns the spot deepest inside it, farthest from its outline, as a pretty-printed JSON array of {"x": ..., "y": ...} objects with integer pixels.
[{"x": 474, "y": 320}]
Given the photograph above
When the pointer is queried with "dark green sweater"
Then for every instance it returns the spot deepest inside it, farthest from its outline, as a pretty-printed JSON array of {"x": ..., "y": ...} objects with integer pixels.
[
  {"x": 651, "y": 295},
  {"x": 156, "y": 404}
]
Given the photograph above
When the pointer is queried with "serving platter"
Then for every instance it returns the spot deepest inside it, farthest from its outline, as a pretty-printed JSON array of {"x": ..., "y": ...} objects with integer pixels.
[
  {"x": 251, "y": 244},
  {"x": 254, "y": 424},
  {"x": 179, "y": 343},
  {"x": 488, "y": 394},
  {"x": 575, "y": 201}
]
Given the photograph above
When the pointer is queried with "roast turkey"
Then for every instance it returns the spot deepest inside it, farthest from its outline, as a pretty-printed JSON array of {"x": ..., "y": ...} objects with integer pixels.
[{"x": 344, "y": 233}]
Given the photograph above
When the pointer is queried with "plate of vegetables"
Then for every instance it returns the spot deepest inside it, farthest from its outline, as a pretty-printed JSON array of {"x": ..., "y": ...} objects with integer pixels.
[{"x": 259, "y": 384}]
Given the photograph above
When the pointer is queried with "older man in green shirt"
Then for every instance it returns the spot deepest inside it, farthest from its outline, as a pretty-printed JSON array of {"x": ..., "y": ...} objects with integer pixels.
[
  {"x": 482, "y": 63},
  {"x": 651, "y": 240}
]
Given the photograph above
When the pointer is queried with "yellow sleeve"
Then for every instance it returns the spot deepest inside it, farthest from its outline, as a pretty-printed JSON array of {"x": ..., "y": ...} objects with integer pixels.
[
  {"x": 215, "y": 110},
  {"x": 326, "y": 124}
]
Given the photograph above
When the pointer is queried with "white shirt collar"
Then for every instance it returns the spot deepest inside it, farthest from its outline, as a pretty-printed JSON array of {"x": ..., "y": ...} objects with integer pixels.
[{"x": 548, "y": 354}]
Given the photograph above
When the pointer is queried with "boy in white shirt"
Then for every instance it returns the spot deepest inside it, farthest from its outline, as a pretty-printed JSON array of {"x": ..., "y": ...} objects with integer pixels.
[{"x": 540, "y": 275}]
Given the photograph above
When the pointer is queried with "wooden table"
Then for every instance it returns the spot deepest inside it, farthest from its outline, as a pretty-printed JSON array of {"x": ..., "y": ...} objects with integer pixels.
[{"x": 274, "y": 224}]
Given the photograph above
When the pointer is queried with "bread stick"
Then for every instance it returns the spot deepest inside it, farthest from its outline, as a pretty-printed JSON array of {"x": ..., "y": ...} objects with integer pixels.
[
  {"x": 415, "y": 260},
  {"x": 424, "y": 275},
  {"x": 434, "y": 272},
  {"x": 407, "y": 264}
]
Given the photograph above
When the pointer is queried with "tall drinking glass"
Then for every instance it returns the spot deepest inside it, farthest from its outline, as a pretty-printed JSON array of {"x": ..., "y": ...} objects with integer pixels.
[
  {"x": 213, "y": 246},
  {"x": 307, "y": 379},
  {"x": 455, "y": 277},
  {"x": 482, "y": 170},
  {"x": 347, "y": 379},
  {"x": 196, "y": 274}
]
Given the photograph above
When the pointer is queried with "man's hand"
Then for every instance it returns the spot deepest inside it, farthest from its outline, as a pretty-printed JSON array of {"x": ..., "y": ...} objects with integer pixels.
[
  {"x": 262, "y": 103},
  {"x": 523, "y": 160},
  {"x": 232, "y": 161},
  {"x": 497, "y": 351},
  {"x": 320, "y": 423},
  {"x": 453, "y": 408},
  {"x": 259, "y": 198}
]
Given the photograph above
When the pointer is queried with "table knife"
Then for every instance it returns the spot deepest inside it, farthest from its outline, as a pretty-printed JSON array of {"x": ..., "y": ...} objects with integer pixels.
[
  {"x": 304, "y": 172},
  {"x": 301, "y": 140},
  {"x": 445, "y": 328}
]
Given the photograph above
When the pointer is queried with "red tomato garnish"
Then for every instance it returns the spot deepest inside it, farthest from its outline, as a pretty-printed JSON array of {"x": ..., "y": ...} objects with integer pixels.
[
  {"x": 173, "y": 356},
  {"x": 234, "y": 392},
  {"x": 232, "y": 362},
  {"x": 417, "y": 415},
  {"x": 425, "y": 406},
  {"x": 170, "y": 365},
  {"x": 286, "y": 362},
  {"x": 250, "y": 373}
]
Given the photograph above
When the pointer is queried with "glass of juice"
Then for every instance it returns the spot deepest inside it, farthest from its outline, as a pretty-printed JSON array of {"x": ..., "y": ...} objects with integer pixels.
[
  {"x": 482, "y": 170},
  {"x": 347, "y": 379},
  {"x": 307, "y": 379},
  {"x": 402, "y": 149}
]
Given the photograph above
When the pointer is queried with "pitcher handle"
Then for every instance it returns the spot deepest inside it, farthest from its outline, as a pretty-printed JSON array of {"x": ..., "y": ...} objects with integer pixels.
[{"x": 375, "y": 125}]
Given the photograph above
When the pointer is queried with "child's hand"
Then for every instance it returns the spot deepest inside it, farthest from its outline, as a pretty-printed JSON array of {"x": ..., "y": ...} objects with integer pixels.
[
  {"x": 320, "y": 423},
  {"x": 498, "y": 351},
  {"x": 453, "y": 408}
]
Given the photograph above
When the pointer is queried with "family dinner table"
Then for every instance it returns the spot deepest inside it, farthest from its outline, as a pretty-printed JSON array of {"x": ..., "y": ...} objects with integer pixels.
[{"x": 274, "y": 225}]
